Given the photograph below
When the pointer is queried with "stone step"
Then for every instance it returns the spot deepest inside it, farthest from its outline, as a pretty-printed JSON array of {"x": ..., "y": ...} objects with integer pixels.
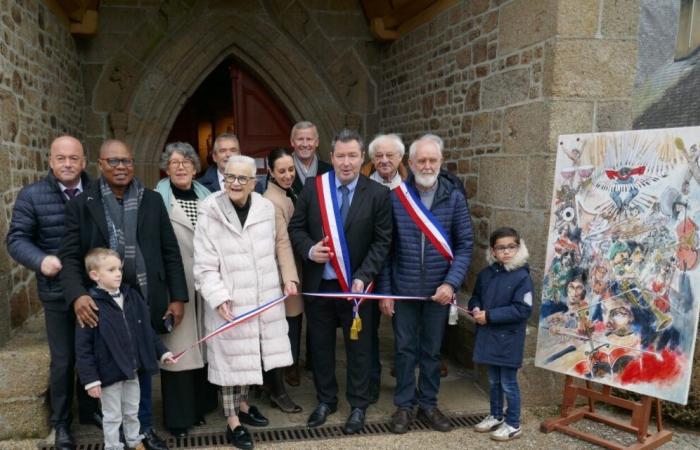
[{"x": 24, "y": 375}]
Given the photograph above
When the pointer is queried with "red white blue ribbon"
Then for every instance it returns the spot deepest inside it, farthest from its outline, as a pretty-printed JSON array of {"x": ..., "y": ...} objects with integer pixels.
[
  {"x": 332, "y": 223},
  {"x": 424, "y": 220}
]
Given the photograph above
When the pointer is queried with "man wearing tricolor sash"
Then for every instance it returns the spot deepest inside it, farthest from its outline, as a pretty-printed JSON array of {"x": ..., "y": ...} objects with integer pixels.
[
  {"x": 430, "y": 256},
  {"x": 341, "y": 229}
]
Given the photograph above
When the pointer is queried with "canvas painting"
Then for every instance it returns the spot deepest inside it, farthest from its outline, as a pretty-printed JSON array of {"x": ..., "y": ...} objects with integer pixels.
[{"x": 621, "y": 289}]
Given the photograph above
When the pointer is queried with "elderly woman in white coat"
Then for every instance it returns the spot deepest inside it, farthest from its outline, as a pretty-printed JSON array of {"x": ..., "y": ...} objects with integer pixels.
[
  {"x": 187, "y": 394},
  {"x": 238, "y": 248}
]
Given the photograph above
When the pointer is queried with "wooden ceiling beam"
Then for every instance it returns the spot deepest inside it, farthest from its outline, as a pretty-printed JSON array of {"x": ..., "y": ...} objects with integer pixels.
[
  {"x": 391, "y": 19},
  {"x": 78, "y": 16}
]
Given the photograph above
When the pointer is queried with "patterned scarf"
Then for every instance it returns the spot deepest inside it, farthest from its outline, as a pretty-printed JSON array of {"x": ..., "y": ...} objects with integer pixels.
[{"x": 122, "y": 223}]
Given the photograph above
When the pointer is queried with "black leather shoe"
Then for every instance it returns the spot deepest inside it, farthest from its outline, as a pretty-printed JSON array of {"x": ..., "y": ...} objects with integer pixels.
[
  {"x": 152, "y": 441},
  {"x": 285, "y": 403},
  {"x": 435, "y": 419},
  {"x": 253, "y": 417},
  {"x": 239, "y": 437},
  {"x": 401, "y": 420},
  {"x": 355, "y": 422},
  {"x": 64, "y": 438},
  {"x": 320, "y": 414},
  {"x": 93, "y": 419},
  {"x": 373, "y": 391}
]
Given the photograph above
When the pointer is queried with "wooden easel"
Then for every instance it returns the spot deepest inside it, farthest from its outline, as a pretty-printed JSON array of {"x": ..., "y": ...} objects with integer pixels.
[{"x": 641, "y": 414}]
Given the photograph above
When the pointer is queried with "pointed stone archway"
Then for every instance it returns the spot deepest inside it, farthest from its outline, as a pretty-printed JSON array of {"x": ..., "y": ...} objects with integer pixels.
[{"x": 142, "y": 100}]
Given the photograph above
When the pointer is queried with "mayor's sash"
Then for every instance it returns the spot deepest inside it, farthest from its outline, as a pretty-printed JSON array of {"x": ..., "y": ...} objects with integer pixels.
[
  {"x": 333, "y": 229},
  {"x": 426, "y": 222}
]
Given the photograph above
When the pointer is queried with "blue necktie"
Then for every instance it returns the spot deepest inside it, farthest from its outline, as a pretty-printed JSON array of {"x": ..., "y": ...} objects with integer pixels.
[{"x": 345, "y": 206}]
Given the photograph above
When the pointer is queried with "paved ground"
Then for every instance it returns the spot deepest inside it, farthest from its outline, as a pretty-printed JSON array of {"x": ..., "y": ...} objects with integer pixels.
[{"x": 458, "y": 394}]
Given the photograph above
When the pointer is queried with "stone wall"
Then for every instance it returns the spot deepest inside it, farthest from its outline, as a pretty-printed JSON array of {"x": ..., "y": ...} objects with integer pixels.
[
  {"x": 41, "y": 96},
  {"x": 499, "y": 81},
  {"x": 316, "y": 57}
]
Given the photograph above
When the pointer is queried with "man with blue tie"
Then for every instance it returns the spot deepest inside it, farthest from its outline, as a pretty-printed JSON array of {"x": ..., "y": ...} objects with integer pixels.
[
  {"x": 341, "y": 229},
  {"x": 33, "y": 240}
]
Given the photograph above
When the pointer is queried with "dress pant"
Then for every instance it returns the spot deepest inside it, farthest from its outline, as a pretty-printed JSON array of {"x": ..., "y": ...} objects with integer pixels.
[
  {"x": 375, "y": 373},
  {"x": 60, "y": 331},
  {"x": 294, "y": 323},
  {"x": 323, "y": 316},
  {"x": 418, "y": 329}
]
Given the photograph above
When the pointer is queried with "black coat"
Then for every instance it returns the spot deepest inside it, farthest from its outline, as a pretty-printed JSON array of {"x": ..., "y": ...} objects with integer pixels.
[
  {"x": 122, "y": 342},
  {"x": 86, "y": 228},
  {"x": 367, "y": 231},
  {"x": 36, "y": 230},
  {"x": 322, "y": 168},
  {"x": 210, "y": 179}
]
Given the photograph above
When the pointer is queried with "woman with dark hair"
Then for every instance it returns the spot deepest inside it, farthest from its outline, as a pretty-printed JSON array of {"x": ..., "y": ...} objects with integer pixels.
[
  {"x": 279, "y": 191},
  {"x": 187, "y": 395}
]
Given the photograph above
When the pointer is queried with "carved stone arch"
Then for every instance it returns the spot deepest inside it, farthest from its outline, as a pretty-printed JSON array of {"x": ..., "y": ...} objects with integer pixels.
[{"x": 154, "y": 93}]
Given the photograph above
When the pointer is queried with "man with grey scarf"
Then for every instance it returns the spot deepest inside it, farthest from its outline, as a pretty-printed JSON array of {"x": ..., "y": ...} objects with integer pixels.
[
  {"x": 119, "y": 213},
  {"x": 304, "y": 140}
]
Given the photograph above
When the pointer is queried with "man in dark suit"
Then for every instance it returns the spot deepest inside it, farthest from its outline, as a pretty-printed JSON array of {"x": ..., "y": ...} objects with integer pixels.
[
  {"x": 33, "y": 240},
  {"x": 225, "y": 145},
  {"x": 364, "y": 213},
  {"x": 304, "y": 140},
  {"x": 117, "y": 212}
]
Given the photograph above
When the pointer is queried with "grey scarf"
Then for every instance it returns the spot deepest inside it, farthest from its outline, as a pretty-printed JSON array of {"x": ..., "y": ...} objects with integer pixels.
[
  {"x": 302, "y": 171},
  {"x": 122, "y": 223}
]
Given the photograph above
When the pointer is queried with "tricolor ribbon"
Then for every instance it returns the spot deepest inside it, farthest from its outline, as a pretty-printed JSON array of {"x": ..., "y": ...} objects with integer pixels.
[
  {"x": 331, "y": 295},
  {"x": 333, "y": 228}
]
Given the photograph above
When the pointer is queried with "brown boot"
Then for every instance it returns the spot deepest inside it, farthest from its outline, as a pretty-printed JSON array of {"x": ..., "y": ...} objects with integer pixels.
[{"x": 291, "y": 375}]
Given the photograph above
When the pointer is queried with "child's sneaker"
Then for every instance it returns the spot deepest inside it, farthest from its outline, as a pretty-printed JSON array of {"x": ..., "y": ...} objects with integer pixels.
[
  {"x": 489, "y": 423},
  {"x": 505, "y": 433}
]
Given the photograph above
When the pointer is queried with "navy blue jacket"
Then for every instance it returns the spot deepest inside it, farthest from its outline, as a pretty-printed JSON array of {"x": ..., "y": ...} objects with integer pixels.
[
  {"x": 506, "y": 296},
  {"x": 122, "y": 342},
  {"x": 36, "y": 230},
  {"x": 403, "y": 273},
  {"x": 210, "y": 178}
]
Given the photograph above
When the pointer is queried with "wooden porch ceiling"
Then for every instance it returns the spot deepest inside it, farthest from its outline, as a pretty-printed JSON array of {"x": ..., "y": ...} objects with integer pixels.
[
  {"x": 79, "y": 16},
  {"x": 391, "y": 19}
]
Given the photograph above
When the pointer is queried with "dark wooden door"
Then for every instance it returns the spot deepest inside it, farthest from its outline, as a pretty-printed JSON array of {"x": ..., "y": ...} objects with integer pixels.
[{"x": 261, "y": 123}]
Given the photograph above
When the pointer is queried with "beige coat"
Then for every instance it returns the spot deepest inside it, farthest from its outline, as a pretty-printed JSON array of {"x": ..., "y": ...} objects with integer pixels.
[
  {"x": 191, "y": 328},
  {"x": 284, "y": 208},
  {"x": 240, "y": 264}
]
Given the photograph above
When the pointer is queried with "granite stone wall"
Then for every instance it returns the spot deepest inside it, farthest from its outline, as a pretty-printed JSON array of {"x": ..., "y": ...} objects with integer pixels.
[
  {"x": 41, "y": 96},
  {"x": 499, "y": 80}
]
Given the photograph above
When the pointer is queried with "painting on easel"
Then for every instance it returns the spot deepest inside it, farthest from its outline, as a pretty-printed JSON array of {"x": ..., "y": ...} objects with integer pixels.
[{"x": 621, "y": 289}]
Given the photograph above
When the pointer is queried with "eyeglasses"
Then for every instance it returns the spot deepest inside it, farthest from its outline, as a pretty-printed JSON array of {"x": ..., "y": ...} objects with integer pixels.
[
  {"x": 242, "y": 179},
  {"x": 506, "y": 248},
  {"x": 114, "y": 162},
  {"x": 186, "y": 163}
]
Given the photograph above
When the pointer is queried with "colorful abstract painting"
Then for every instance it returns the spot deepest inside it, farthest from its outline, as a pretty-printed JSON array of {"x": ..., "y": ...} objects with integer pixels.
[{"x": 621, "y": 289}]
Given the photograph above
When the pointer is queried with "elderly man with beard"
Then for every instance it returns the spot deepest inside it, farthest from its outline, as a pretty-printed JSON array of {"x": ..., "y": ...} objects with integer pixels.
[{"x": 424, "y": 263}]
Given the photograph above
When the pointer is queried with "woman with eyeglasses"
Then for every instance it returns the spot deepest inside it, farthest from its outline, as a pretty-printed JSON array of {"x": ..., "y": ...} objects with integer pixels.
[
  {"x": 187, "y": 395},
  {"x": 281, "y": 175},
  {"x": 242, "y": 258}
]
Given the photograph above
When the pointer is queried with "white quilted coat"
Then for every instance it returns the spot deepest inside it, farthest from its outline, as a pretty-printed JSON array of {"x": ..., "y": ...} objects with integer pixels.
[{"x": 237, "y": 264}]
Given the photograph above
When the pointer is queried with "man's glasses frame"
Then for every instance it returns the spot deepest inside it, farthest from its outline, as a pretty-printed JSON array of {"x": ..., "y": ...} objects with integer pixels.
[{"x": 114, "y": 162}]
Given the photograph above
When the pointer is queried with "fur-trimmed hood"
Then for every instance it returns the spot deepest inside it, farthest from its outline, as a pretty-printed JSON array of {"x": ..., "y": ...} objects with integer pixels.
[{"x": 519, "y": 260}]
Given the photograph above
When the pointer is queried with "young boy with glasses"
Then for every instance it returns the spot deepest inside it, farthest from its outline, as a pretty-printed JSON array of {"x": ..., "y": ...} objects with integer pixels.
[{"x": 501, "y": 305}]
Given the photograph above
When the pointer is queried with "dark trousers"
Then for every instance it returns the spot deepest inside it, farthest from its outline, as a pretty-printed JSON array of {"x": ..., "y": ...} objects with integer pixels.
[
  {"x": 60, "y": 331},
  {"x": 187, "y": 397},
  {"x": 375, "y": 373},
  {"x": 418, "y": 329},
  {"x": 295, "y": 335},
  {"x": 323, "y": 316},
  {"x": 145, "y": 402}
]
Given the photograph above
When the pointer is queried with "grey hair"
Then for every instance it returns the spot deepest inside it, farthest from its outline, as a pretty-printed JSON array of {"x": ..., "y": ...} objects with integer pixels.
[
  {"x": 392, "y": 138},
  {"x": 433, "y": 138},
  {"x": 345, "y": 136},
  {"x": 223, "y": 136},
  {"x": 182, "y": 148},
  {"x": 247, "y": 160},
  {"x": 303, "y": 125}
]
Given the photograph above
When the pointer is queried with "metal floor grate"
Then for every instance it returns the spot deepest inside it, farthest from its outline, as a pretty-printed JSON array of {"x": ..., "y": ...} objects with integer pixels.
[{"x": 292, "y": 434}]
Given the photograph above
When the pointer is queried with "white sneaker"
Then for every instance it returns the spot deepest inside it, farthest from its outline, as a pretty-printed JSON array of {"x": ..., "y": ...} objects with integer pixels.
[
  {"x": 489, "y": 423},
  {"x": 505, "y": 433}
]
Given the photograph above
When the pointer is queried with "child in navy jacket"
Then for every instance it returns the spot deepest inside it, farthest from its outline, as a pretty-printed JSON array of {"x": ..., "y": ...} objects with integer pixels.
[
  {"x": 501, "y": 305},
  {"x": 109, "y": 356}
]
